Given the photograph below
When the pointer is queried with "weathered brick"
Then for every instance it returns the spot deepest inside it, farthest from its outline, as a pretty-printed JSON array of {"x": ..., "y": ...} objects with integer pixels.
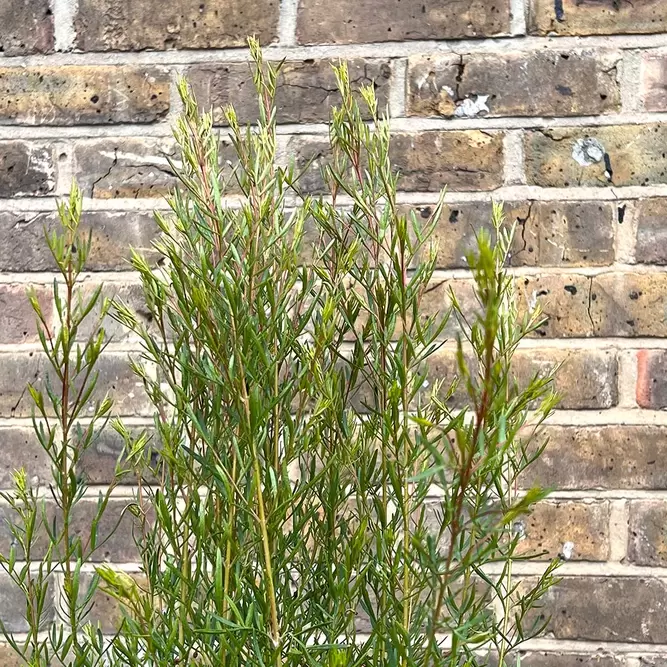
[
  {"x": 131, "y": 168},
  {"x": 99, "y": 463},
  {"x": 16, "y": 370},
  {"x": 115, "y": 378},
  {"x": 26, "y": 169},
  {"x": 459, "y": 160},
  {"x": 596, "y": 17},
  {"x": 27, "y": 27},
  {"x": 135, "y": 168},
  {"x": 13, "y": 605},
  {"x": 348, "y": 21},
  {"x": 9, "y": 657},
  {"x": 115, "y": 539},
  {"x": 654, "y": 82},
  {"x": 543, "y": 659},
  {"x": 586, "y": 379},
  {"x": 615, "y": 609},
  {"x": 90, "y": 95},
  {"x": 647, "y": 532},
  {"x": 547, "y": 234},
  {"x": 123, "y": 25},
  {"x": 106, "y": 611},
  {"x": 651, "y": 247},
  {"x": 17, "y": 318},
  {"x": 613, "y": 304},
  {"x": 131, "y": 294},
  {"x": 427, "y": 161},
  {"x": 651, "y": 379},
  {"x": 573, "y": 530},
  {"x": 113, "y": 232},
  {"x": 597, "y": 156},
  {"x": 21, "y": 449},
  {"x": 306, "y": 89},
  {"x": 513, "y": 84},
  {"x": 617, "y": 456},
  {"x": 629, "y": 304}
]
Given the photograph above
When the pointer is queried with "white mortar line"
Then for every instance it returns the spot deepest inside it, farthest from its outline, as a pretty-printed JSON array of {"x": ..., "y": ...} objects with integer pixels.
[
  {"x": 502, "y": 194},
  {"x": 514, "y": 171},
  {"x": 620, "y": 495},
  {"x": 64, "y": 12},
  {"x": 627, "y": 379},
  {"x": 625, "y": 232},
  {"x": 319, "y": 130},
  {"x": 618, "y": 531},
  {"x": 518, "y": 14},
  {"x": 438, "y": 275},
  {"x": 347, "y": 51},
  {"x": 630, "y": 81},
  {"x": 583, "y": 569},
  {"x": 398, "y": 88},
  {"x": 287, "y": 23}
]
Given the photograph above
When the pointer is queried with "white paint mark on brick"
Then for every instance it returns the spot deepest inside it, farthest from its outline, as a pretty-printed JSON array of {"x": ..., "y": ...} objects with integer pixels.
[
  {"x": 567, "y": 551},
  {"x": 64, "y": 12},
  {"x": 587, "y": 151},
  {"x": 471, "y": 108},
  {"x": 397, "y": 88},
  {"x": 287, "y": 22},
  {"x": 513, "y": 151},
  {"x": 518, "y": 12}
]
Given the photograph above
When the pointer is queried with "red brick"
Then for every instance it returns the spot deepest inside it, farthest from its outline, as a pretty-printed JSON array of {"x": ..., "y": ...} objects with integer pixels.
[{"x": 652, "y": 379}]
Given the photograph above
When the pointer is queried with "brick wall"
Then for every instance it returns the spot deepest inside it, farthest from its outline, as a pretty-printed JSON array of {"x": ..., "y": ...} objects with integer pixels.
[{"x": 553, "y": 106}]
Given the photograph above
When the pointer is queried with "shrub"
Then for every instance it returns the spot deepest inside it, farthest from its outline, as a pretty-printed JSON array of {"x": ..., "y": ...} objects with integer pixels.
[{"x": 309, "y": 495}]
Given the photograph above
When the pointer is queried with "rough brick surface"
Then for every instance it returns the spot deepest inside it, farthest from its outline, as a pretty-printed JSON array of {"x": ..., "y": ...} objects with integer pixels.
[
  {"x": 512, "y": 84},
  {"x": 20, "y": 448},
  {"x": 589, "y": 608},
  {"x": 17, "y": 317},
  {"x": 612, "y": 304},
  {"x": 23, "y": 249},
  {"x": 601, "y": 457},
  {"x": 110, "y": 25},
  {"x": 547, "y": 234},
  {"x": 647, "y": 538},
  {"x": 26, "y": 169},
  {"x": 572, "y": 530},
  {"x": 651, "y": 379},
  {"x": 597, "y": 156},
  {"x": 350, "y": 21},
  {"x": 427, "y": 161},
  {"x": 115, "y": 378},
  {"x": 586, "y": 379},
  {"x": 90, "y": 95},
  {"x": 651, "y": 247},
  {"x": 564, "y": 130},
  {"x": 596, "y": 17},
  {"x": 27, "y": 27},
  {"x": 306, "y": 90}
]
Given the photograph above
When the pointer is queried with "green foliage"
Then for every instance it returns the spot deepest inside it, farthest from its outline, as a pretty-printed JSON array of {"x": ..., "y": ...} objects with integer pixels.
[
  {"x": 46, "y": 552},
  {"x": 309, "y": 496}
]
